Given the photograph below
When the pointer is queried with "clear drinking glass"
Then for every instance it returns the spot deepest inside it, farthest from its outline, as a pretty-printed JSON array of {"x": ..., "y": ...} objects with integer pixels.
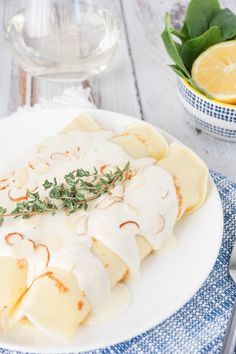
[{"x": 62, "y": 39}]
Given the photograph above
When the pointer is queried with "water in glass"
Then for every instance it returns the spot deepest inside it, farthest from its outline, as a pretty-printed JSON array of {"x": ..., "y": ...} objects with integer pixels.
[{"x": 63, "y": 39}]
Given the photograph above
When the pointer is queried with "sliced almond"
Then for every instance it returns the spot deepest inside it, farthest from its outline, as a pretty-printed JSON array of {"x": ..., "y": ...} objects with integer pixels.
[
  {"x": 33, "y": 243},
  {"x": 39, "y": 165},
  {"x": 164, "y": 193},
  {"x": 54, "y": 241},
  {"x": 104, "y": 169},
  {"x": 2, "y": 188},
  {"x": 44, "y": 251},
  {"x": 20, "y": 177},
  {"x": 40, "y": 148},
  {"x": 138, "y": 182},
  {"x": 107, "y": 202},
  {"x": 4, "y": 180},
  {"x": 130, "y": 208},
  {"x": 23, "y": 249},
  {"x": 118, "y": 191},
  {"x": 7, "y": 175},
  {"x": 32, "y": 189},
  {"x": 4, "y": 320},
  {"x": 82, "y": 225},
  {"x": 18, "y": 195},
  {"x": 13, "y": 237},
  {"x": 75, "y": 153},
  {"x": 130, "y": 225},
  {"x": 159, "y": 223},
  {"x": 62, "y": 156},
  {"x": 4, "y": 184},
  {"x": 129, "y": 174}
]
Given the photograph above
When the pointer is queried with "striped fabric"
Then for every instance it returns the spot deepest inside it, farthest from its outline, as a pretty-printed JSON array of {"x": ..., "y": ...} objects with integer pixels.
[{"x": 199, "y": 326}]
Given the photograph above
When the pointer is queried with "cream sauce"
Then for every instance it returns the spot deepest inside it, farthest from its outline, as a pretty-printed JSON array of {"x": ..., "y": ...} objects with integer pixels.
[
  {"x": 168, "y": 246},
  {"x": 142, "y": 201},
  {"x": 116, "y": 304}
]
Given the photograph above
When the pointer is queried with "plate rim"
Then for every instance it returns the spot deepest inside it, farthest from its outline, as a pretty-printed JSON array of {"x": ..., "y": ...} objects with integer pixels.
[{"x": 171, "y": 312}]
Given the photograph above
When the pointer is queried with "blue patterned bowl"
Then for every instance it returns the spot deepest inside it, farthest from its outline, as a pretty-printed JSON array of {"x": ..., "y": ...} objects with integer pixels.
[{"x": 211, "y": 116}]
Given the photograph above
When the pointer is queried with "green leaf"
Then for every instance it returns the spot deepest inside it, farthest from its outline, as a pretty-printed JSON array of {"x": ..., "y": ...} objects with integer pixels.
[
  {"x": 178, "y": 71},
  {"x": 226, "y": 20},
  {"x": 194, "y": 47},
  {"x": 126, "y": 167},
  {"x": 182, "y": 36},
  {"x": 199, "y": 15},
  {"x": 47, "y": 184},
  {"x": 199, "y": 88},
  {"x": 172, "y": 47},
  {"x": 70, "y": 179},
  {"x": 2, "y": 210},
  {"x": 185, "y": 33}
]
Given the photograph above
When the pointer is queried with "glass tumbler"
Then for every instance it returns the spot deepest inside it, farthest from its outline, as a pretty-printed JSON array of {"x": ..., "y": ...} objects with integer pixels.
[{"x": 62, "y": 39}]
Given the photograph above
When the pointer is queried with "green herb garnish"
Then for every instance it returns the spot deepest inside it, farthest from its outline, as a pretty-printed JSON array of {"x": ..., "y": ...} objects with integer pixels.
[
  {"x": 205, "y": 24},
  {"x": 2, "y": 213},
  {"x": 80, "y": 188}
]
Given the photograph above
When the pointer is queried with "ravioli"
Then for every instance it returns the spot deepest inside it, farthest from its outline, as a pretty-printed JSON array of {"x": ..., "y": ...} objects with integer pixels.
[{"x": 57, "y": 269}]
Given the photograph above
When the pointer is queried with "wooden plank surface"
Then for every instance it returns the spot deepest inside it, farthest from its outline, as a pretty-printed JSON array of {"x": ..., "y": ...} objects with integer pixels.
[
  {"x": 115, "y": 88},
  {"x": 137, "y": 82},
  {"x": 5, "y": 72}
]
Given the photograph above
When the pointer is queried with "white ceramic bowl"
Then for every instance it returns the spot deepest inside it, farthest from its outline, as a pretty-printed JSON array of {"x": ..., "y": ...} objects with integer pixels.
[{"x": 211, "y": 116}]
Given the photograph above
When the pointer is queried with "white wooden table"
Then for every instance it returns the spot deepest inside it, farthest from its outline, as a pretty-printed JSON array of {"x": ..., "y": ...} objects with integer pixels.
[{"x": 137, "y": 82}]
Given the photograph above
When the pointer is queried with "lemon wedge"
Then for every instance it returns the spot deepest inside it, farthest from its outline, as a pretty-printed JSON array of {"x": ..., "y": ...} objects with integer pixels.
[{"x": 215, "y": 71}]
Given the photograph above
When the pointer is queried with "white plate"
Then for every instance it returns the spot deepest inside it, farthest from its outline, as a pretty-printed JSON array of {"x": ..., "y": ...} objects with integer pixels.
[{"x": 166, "y": 282}]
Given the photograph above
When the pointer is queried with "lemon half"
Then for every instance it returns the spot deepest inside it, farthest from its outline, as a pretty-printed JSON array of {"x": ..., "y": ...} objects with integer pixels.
[{"x": 215, "y": 71}]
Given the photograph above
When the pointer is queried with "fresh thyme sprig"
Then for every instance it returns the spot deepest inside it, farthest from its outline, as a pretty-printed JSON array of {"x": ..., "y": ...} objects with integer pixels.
[
  {"x": 2, "y": 213},
  {"x": 80, "y": 187}
]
